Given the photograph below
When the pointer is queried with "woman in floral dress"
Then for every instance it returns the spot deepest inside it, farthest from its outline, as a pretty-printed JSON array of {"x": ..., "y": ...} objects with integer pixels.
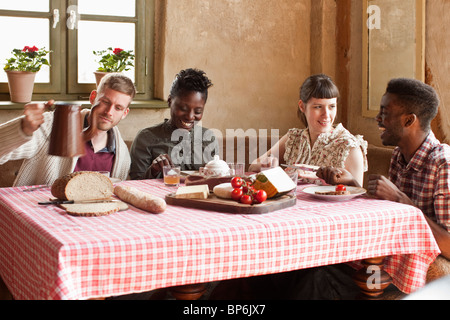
[
  {"x": 333, "y": 148},
  {"x": 321, "y": 143}
]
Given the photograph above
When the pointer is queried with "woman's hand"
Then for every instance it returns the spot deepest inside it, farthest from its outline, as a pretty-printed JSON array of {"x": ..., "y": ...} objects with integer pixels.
[
  {"x": 335, "y": 176},
  {"x": 160, "y": 161}
]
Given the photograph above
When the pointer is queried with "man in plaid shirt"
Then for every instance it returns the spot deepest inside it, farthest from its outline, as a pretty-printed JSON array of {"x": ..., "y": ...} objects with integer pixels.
[{"x": 419, "y": 174}]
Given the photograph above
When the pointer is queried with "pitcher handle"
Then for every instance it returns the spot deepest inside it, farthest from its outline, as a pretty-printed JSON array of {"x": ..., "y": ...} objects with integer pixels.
[{"x": 89, "y": 132}]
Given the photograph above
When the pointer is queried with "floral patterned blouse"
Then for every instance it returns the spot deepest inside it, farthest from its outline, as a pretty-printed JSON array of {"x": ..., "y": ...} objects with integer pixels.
[{"x": 330, "y": 149}]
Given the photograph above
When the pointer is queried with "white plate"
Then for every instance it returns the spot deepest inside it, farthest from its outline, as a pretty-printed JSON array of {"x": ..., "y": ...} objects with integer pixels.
[{"x": 354, "y": 192}]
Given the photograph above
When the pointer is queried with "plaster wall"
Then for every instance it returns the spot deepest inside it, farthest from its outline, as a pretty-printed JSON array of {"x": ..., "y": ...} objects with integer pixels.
[
  {"x": 437, "y": 47},
  {"x": 257, "y": 54},
  {"x": 438, "y": 61}
]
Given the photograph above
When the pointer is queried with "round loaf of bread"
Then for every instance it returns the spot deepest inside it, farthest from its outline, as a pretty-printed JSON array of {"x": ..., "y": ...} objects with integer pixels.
[
  {"x": 83, "y": 185},
  {"x": 223, "y": 190}
]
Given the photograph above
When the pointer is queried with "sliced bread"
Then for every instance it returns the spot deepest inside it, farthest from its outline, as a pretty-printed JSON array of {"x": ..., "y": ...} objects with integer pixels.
[
  {"x": 84, "y": 185},
  {"x": 91, "y": 209}
]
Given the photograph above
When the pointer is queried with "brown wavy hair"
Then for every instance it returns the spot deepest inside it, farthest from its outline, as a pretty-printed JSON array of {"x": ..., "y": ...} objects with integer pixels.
[
  {"x": 117, "y": 82},
  {"x": 319, "y": 86}
]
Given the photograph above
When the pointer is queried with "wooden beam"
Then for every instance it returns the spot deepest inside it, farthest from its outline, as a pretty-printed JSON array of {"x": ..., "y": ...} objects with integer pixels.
[{"x": 343, "y": 46}]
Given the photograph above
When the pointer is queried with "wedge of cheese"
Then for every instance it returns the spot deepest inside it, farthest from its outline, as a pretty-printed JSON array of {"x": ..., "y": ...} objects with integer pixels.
[
  {"x": 193, "y": 192},
  {"x": 274, "y": 181}
]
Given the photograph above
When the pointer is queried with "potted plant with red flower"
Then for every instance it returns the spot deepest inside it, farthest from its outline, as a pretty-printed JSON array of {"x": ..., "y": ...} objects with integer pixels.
[
  {"x": 113, "y": 60},
  {"x": 21, "y": 70}
]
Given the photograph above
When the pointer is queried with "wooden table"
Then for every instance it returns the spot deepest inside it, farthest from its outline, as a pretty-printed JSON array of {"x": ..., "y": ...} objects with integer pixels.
[{"x": 47, "y": 254}]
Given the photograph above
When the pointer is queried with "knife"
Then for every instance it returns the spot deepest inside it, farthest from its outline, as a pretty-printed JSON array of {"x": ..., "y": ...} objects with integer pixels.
[{"x": 46, "y": 203}]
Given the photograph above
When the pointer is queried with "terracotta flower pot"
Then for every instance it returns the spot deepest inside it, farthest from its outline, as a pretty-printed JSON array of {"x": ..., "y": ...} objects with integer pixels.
[
  {"x": 99, "y": 75},
  {"x": 21, "y": 84}
]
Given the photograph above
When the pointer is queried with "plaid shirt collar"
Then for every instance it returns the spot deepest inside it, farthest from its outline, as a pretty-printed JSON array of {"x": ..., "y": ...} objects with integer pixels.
[{"x": 420, "y": 157}]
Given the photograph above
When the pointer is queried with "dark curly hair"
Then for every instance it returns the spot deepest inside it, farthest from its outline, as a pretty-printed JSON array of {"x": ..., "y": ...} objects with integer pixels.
[
  {"x": 416, "y": 97},
  {"x": 190, "y": 80}
]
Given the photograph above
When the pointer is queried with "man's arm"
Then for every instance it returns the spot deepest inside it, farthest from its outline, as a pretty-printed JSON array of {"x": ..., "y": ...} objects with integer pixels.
[
  {"x": 16, "y": 136},
  {"x": 34, "y": 117},
  {"x": 441, "y": 201},
  {"x": 383, "y": 188},
  {"x": 441, "y": 236}
]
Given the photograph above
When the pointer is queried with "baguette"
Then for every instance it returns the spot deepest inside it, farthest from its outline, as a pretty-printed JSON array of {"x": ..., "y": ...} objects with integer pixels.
[{"x": 140, "y": 199}]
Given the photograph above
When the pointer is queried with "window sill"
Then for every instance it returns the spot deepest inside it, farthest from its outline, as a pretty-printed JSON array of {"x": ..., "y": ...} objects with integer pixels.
[{"x": 145, "y": 104}]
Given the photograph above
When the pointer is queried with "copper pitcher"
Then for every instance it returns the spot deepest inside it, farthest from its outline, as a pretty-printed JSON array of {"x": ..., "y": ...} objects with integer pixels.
[{"x": 66, "y": 139}]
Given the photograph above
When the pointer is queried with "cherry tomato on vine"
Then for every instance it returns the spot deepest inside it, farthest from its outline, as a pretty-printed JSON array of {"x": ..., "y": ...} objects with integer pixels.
[
  {"x": 237, "y": 182},
  {"x": 236, "y": 194},
  {"x": 261, "y": 196},
  {"x": 246, "y": 199},
  {"x": 247, "y": 187}
]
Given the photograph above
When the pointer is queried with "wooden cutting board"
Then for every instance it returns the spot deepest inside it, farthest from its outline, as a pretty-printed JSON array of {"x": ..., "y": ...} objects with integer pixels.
[{"x": 214, "y": 203}]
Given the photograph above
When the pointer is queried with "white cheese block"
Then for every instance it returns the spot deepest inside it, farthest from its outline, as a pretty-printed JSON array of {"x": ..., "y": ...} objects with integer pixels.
[
  {"x": 193, "y": 192},
  {"x": 223, "y": 190}
]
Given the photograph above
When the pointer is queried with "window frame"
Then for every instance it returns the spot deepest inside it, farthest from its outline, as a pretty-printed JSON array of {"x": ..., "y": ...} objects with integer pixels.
[
  {"x": 63, "y": 83},
  {"x": 54, "y": 86}
]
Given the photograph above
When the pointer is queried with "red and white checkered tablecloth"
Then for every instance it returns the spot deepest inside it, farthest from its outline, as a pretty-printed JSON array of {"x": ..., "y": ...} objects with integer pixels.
[{"x": 47, "y": 254}]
